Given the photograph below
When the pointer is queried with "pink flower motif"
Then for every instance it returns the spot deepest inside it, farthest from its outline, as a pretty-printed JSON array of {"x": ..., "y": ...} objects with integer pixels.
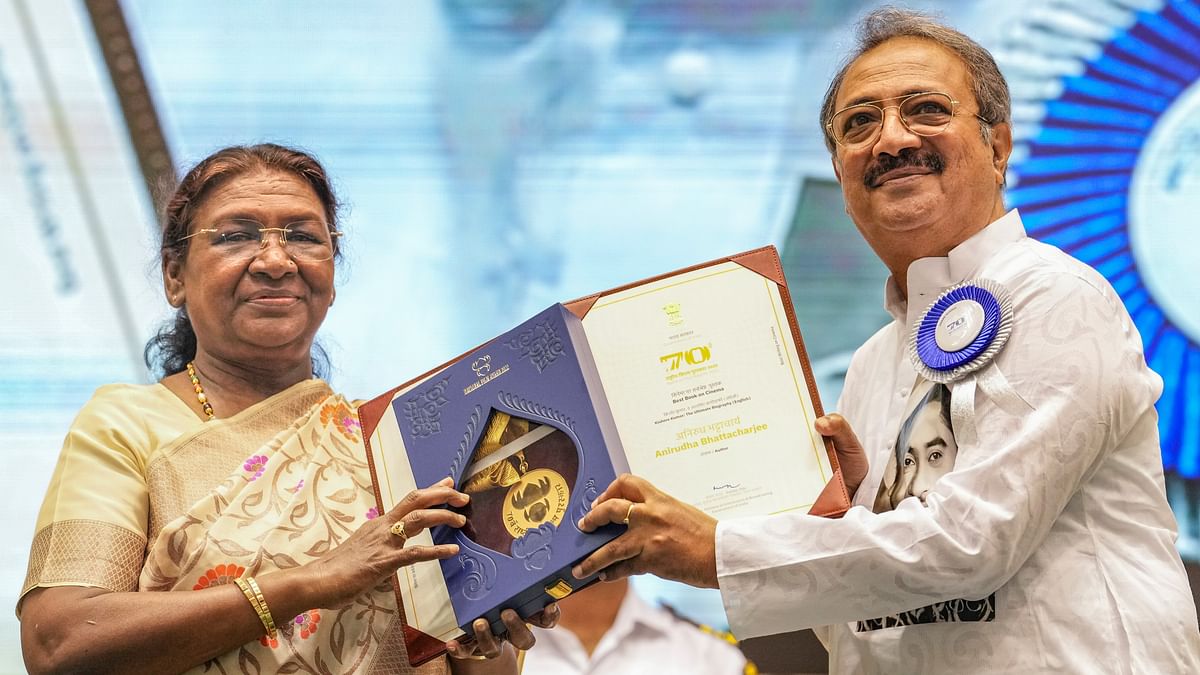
[
  {"x": 351, "y": 424},
  {"x": 255, "y": 465},
  {"x": 372, "y": 513},
  {"x": 297, "y": 487}
]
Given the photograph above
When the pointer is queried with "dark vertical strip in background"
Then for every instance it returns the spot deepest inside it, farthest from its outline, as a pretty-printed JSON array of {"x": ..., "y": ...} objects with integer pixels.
[{"x": 141, "y": 119}]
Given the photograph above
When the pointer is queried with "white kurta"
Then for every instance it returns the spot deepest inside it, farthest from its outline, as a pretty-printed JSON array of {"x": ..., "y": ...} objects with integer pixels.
[
  {"x": 643, "y": 640},
  {"x": 1060, "y": 510}
]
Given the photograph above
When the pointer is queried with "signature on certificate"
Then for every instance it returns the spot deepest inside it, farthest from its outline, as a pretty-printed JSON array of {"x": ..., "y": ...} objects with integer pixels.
[{"x": 726, "y": 486}]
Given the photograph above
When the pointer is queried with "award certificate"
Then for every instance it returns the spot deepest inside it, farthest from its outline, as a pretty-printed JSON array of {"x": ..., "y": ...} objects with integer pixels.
[{"x": 708, "y": 391}]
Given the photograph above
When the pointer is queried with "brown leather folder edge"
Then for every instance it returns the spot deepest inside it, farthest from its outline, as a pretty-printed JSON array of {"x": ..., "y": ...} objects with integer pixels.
[{"x": 832, "y": 502}]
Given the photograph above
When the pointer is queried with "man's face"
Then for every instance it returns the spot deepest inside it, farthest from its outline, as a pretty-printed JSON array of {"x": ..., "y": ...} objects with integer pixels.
[
  {"x": 931, "y": 450},
  {"x": 917, "y": 196}
]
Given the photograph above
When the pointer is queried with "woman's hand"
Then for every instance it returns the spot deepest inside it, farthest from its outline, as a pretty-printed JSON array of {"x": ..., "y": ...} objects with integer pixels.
[
  {"x": 376, "y": 551},
  {"x": 488, "y": 653}
]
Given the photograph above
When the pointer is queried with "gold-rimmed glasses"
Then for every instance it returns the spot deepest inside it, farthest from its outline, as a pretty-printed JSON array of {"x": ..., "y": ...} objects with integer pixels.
[
  {"x": 241, "y": 239},
  {"x": 925, "y": 113}
]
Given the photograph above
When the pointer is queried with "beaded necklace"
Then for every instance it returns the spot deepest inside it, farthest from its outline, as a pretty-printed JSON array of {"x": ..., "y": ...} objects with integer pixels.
[{"x": 200, "y": 395}]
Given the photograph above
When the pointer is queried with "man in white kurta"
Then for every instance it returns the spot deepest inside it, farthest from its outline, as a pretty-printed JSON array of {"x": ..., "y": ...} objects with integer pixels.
[
  {"x": 1049, "y": 546},
  {"x": 1060, "y": 511}
]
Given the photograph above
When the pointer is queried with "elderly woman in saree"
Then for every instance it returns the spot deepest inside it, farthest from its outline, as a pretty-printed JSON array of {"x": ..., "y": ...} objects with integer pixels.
[{"x": 238, "y": 479}]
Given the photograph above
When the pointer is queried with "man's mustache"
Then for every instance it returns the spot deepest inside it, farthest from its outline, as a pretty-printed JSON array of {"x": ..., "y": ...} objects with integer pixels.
[{"x": 908, "y": 157}]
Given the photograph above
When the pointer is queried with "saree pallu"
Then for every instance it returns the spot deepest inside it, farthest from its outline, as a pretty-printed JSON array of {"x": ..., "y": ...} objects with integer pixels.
[{"x": 291, "y": 483}]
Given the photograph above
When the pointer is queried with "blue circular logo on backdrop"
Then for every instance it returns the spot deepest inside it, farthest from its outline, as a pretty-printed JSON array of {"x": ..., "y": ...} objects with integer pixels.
[{"x": 1112, "y": 176}]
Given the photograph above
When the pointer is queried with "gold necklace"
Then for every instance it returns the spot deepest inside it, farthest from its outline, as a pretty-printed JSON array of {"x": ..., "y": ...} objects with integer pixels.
[{"x": 200, "y": 395}]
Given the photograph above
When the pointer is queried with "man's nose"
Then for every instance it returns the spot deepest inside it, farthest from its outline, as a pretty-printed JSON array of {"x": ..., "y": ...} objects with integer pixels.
[{"x": 894, "y": 135}]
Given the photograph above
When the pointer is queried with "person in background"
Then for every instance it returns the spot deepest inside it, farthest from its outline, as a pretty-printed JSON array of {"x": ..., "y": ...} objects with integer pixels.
[
  {"x": 607, "y": 628},
  {"x": 1050, "y": 546},
  {"x": 222, "y": 520}
]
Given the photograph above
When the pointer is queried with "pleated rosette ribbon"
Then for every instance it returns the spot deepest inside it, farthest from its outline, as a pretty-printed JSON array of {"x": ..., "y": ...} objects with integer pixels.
[{"x": 956, "y": 338}]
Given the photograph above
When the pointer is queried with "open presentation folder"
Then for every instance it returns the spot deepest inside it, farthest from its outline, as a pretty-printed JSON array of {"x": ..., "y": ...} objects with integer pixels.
[{"x": 696, "y": 380}]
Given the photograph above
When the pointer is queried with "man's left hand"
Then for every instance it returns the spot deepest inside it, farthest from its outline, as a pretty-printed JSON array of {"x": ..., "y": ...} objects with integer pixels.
[{"x": 666, "y": 537}]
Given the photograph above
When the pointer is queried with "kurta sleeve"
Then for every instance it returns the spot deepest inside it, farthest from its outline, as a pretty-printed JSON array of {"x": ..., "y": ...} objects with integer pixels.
[
  {"x": 1076, "y": 359},
  {"x": 91, "y": 529}
]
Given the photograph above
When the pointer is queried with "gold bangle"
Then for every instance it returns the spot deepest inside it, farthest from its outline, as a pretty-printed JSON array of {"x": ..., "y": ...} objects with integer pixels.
[
  {"x": 264, "y": 611},
  {"x": 253, "y": 593}
]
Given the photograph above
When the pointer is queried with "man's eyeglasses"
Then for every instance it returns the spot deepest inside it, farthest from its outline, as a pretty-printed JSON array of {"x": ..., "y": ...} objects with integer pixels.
[
  {"x": 242, "y": 239},
  {"x": 925, "y": 113}
]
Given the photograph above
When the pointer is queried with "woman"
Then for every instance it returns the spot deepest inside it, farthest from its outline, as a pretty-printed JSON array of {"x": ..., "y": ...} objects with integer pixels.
[{"x": 237, "y": 476}]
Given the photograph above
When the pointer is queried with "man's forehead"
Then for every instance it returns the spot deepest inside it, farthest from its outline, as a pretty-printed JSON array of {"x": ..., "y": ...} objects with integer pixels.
[{"x": 901, "y": 66}]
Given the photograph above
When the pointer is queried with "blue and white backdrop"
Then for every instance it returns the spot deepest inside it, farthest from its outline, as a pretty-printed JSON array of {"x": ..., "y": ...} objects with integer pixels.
[{"x": 498, "y": 157}]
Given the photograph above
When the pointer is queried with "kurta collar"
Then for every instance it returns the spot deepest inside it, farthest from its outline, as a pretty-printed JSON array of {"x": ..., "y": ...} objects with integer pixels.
[{"x": 928, "y": 277}]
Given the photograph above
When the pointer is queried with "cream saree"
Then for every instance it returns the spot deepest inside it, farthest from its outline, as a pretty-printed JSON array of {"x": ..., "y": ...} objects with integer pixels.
[{"x": 274, "y": 487}]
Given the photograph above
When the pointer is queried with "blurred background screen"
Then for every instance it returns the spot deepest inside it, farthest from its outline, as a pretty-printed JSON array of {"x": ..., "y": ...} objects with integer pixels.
[{"x": 496, "y": 157}]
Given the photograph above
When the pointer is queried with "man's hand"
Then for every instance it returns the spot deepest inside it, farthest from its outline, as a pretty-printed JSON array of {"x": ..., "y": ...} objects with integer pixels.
[
  {"x": 490, "y": 654},
  {"x": 851, "y": 458},
  {"x": 666, "y": 537}
]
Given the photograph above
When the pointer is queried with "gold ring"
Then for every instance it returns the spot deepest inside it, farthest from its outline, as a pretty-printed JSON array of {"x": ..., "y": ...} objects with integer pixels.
[
  {"x": 397, "y": 529},
  {"x": 629, "y": 513}
]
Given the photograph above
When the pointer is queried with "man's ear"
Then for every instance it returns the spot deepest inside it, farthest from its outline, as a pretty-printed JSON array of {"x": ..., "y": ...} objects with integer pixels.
[
  {"x": 1002, "y": 145},
  {"x": 172, "y": 271}
]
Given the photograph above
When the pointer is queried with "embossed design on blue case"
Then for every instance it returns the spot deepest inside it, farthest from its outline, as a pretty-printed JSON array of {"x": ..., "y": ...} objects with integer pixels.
[
  {"x": 423, "y": 409},
  {"x": 537, "y": 410},
  {"x": 539, "y": 343},
  {"x": 480, "y": 571},
  {"x": 589, "y": 494},
  {"x": 534, "y": 548},
  {"x": 464, "y": 446}
]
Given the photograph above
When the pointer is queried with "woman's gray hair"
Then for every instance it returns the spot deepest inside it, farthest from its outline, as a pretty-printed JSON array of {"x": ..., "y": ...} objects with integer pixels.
[{"x": 887, "y": 23}]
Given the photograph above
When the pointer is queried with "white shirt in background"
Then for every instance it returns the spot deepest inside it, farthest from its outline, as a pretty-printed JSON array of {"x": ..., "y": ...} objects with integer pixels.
[{"x": 643, "y": 640}]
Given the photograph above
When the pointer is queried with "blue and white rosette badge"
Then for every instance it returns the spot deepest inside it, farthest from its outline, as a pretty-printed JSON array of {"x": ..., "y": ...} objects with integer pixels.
[{"x": 954, "y": 340}]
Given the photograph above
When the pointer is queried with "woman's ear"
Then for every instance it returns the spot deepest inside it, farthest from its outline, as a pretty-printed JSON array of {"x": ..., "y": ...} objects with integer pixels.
[{"x": 172, "y": 271}]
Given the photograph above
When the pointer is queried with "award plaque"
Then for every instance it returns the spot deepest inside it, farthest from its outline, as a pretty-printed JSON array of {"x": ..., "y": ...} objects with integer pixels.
[{"x": 696, "y": 380}]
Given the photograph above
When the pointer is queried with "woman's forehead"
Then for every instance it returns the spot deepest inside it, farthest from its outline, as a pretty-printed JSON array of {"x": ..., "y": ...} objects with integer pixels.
[{"x": 262, "y": 192}]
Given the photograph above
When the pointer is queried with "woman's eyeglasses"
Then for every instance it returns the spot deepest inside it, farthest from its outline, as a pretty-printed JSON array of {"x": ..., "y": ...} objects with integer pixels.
[{"x": 242, "y": 239}]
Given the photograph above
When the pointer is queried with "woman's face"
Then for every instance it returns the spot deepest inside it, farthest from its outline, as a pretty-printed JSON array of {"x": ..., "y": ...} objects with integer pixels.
[{"x": 267, "y": 308}]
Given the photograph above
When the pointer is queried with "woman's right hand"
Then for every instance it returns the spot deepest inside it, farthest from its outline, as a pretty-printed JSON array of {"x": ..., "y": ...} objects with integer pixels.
[
  {"x": 373, "y": 552},
  {"x": 78, "y": 628}
]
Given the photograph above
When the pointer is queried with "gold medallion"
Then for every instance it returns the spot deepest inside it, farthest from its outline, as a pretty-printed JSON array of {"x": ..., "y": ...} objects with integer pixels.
[{"x": 540, "y": 496}]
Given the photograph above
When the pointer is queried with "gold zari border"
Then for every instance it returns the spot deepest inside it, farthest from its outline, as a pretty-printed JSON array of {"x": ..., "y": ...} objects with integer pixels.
[{"x": 85, "y": 553}]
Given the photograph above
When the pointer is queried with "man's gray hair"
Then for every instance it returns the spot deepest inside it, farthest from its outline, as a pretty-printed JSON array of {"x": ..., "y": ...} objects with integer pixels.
[{"x": 887, "y": 23}]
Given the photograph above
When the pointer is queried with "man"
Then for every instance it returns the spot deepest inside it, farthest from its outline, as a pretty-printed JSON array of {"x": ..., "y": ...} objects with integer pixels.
[{"x": 1050, "y": 545}]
